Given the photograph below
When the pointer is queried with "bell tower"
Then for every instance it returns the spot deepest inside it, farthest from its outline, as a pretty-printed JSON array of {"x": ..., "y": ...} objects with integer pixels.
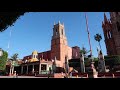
[
  {"x": 59, "y": 46},
  {"x": 115, "y": 19},
  {"x": 111, "y": 29},
  {"x": 108, "y": 35}
]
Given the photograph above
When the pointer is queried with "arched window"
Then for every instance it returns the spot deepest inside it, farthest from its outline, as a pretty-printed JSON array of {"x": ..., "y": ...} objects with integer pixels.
[
  {"x": 118, "y": 26},
  {"x": 34, "y": 56},
  {"x": 110, "y": 36},
  {"x": 56, "y": 32},
  {"x": 62, "y": 31},
  {"x": 107, "y": 35}
]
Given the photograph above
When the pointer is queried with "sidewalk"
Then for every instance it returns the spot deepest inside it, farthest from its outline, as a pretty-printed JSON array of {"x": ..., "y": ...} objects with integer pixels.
[{"x": 21, "y": 77}]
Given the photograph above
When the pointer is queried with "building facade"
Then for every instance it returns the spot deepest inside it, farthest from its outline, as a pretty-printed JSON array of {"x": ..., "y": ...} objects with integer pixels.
[
  {"x": 111, "y": 29},
  {"x": 44, "y": 61}
]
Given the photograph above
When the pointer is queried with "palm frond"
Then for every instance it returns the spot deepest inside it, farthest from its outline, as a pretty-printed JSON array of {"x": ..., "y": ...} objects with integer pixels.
[{"x": 98, "y": 37}]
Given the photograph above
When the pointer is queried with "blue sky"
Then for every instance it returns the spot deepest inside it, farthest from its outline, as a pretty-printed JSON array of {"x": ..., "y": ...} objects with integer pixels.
[{"x": 33, "y": 31}]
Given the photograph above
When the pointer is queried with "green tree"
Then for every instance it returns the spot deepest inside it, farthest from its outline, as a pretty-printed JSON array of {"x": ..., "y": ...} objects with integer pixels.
[
  {"x": 84, "y": 51},
  {"x": 14, "y": 58},
  {"x": 98, "y": 38},
  {"x": 3, "y": 60}
]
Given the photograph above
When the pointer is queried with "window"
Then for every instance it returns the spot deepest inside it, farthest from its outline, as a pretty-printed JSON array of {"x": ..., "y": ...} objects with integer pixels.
[
  {"x": 62, "y": 31},
  {"x": 107, "y": 35},
  {"x": 56, "y": 32},
  {"x": 118, "y": 26},
  {"x": 43, "y": 67},
  {"x": 110, "y": 36},
  {"x": 34, "y": 56}
]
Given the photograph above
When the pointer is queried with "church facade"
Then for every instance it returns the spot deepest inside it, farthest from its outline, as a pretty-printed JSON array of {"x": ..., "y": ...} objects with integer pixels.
[
  {"x": 111, "y": 29},
  {"x": 39, "y": 61}
]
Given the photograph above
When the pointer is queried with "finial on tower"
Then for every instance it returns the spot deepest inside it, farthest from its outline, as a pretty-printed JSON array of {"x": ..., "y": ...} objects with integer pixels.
[
  {"x": 54, "y": 22},
  {"x": 59, "y": 22},
  {"x": 105, "y": 18}
]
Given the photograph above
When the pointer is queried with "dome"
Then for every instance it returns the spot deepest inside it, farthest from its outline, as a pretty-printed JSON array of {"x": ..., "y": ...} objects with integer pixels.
[{"x": 35, "y": 52}]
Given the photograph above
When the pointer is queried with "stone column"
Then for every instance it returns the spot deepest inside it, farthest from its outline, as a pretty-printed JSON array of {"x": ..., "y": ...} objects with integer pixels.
[
  {"x": 21, "y": 69},
  {"x": 27, "y": 69},
  {"x": 33, "y": 69},
  {"x": 10, "y": 71},
  {"x": 39, "y": 68},
  {"x": 47, "y": 68}
]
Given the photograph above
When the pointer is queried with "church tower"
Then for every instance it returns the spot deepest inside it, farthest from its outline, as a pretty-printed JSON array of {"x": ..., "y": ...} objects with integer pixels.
[
  {"x": 115, "y": 20},
  {"x": 59, "y": 47},
  {"x": 111, "y": 29}
]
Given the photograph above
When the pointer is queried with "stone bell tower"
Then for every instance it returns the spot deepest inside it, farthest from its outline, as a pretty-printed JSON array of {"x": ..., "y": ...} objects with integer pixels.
[
  {"x": 111, "y": 29},
  {"x": 108, "y": 35},
  {"x": 59, "y": 47},
  {"x": 115, "y": 20}
]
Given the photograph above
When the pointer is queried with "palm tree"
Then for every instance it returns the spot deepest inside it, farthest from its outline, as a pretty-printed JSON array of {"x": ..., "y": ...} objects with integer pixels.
[
  {"x": 84, "y": 51},
  {"x": 13, "y": 59},
  {"x": 98, "y": 38}
]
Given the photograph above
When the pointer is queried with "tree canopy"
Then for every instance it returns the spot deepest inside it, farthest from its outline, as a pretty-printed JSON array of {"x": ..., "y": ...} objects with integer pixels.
[
  {"x": 98, "y": 37},
  {"x": 3, "y": 60},
  {"x": 14, "y": 57},
  {"x": 8, "y": 19},
  {"x": 84, "y": 51}
]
